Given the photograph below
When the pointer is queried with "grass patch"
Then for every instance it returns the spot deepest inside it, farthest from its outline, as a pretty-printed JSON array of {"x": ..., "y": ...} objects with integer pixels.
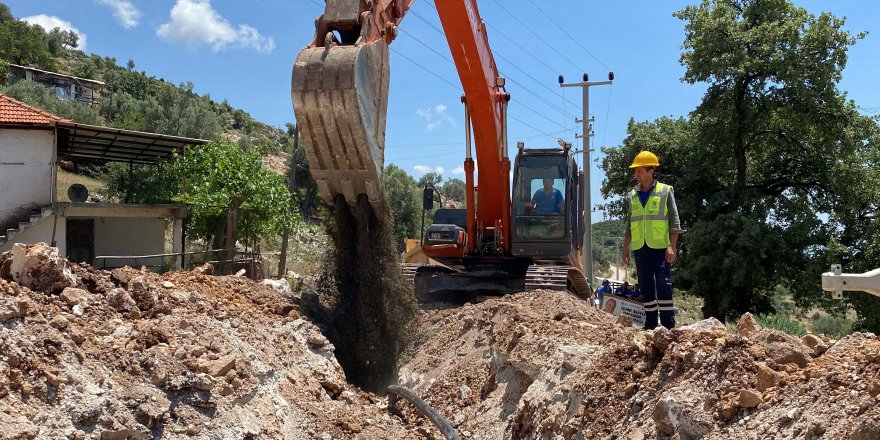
[
  {"x": 783, "y": 323},
  {"x": 833, "y": 326},
  {"x": 65, "y": 179},
  {"x": 689, "y": 307}
]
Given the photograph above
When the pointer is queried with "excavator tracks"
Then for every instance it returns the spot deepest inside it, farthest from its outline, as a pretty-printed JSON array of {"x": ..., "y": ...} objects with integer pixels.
[
  {"x": 538, "y": 276},
  {"x": 542, "y": 276}
]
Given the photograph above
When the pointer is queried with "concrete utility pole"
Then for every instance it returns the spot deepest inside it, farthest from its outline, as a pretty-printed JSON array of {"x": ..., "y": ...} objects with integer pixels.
[
  {"x": 618, "y": 248},
  {"x": 587, "y": 136}
]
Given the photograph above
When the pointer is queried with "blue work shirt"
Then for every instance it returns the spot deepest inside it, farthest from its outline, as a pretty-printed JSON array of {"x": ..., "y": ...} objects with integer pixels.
[
  {"x": 601, "y": 291},
  {"x": 643, "y": 195},
  {"x": 547, "y": 203}
]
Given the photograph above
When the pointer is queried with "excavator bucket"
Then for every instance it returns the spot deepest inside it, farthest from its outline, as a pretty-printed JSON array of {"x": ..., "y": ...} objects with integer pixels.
[{"x": 340, "y": 98}]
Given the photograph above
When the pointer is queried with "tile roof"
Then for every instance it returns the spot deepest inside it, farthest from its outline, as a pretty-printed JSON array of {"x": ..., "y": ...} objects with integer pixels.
[{"x": 13, "y": 111}]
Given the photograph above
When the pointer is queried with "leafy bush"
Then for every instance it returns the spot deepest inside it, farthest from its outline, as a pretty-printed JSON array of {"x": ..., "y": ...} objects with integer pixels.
[
  {"x": 833, "y": 326},
  {"x": 783, "y": 323}
]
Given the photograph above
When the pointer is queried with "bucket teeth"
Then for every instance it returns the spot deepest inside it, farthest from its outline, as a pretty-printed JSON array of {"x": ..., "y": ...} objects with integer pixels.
[{"x": 340, "y": 98}]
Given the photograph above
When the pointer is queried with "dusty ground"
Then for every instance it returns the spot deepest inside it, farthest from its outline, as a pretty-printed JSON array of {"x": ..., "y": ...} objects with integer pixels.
[{"x": 129, "y": 354}]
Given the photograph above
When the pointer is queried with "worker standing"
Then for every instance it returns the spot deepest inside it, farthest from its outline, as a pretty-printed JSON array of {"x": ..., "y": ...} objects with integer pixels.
[{"x": 653, "y": 227}]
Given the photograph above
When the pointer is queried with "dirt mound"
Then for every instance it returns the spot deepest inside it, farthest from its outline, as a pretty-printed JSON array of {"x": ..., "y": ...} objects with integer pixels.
[
  {"x": 545, "y": 365},
  {"x": 131, "y": 354}
]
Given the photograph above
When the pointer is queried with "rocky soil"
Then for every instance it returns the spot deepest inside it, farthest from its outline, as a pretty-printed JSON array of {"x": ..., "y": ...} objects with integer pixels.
[
  {"x": 130, "y": 354},
  {"x": 545, "y": 365}
]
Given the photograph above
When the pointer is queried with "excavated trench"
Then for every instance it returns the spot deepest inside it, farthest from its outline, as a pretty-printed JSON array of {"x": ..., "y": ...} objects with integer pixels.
[{"x": 375, "y": 310}]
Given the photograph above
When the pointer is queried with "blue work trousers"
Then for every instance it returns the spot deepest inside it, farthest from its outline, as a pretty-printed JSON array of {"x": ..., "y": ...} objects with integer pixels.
[{"x": 655, "y": 281}]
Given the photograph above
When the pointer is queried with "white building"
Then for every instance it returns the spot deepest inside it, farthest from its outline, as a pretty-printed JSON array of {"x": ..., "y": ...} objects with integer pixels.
[{"x": 31, "y": 144}]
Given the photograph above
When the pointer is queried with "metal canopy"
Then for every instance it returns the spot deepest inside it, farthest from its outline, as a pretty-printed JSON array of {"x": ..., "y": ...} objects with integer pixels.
[{"x": 115, "y": 144}]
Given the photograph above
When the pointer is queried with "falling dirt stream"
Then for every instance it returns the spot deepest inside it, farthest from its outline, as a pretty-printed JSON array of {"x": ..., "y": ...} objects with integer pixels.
[{"x": 375, "y": 312}]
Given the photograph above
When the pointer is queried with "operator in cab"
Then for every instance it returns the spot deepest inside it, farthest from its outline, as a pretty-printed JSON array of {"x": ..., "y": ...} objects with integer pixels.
[{"x": 547, "y": 200}]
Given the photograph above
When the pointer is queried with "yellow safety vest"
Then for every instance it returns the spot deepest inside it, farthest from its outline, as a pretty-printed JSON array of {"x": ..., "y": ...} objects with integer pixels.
[{"x": 648, "y": 223}]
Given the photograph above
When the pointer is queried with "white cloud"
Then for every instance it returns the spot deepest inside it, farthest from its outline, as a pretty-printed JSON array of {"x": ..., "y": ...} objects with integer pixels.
[
  {"x": 435, "y": 117},
  {"x": 459, "y": 170},
  {"x": 421, "y": 170},
  {"x": 49, "y": 22},
  {"x": 126, "y": 13},
  {"x": 195, "y": 22}
]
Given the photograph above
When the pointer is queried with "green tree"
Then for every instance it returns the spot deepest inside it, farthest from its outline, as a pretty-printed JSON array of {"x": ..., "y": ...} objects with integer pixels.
[
  {"x": 5, "y": 14},
  {"x": 304, "y": 185},
  {"x": 431, "y": 178},
  {"x": 69, "y": 39},
  {"x": 4, "y": 72},
  {"x": 225, "y": 184},
  {"x": 454, "y": 189},
  {"x": 778, "y": 135},
  {"x": 404, "y": 196},
  {"x": 21, "y": 43},
  {"x": 222, "y": 185}
]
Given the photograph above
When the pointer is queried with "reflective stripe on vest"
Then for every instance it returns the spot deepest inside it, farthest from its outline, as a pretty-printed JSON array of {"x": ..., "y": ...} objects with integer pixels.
[{"x": 648, "y": 223}]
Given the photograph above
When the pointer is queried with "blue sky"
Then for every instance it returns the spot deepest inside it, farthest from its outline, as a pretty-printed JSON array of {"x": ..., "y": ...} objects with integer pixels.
[{"x": 243, "y": 51}]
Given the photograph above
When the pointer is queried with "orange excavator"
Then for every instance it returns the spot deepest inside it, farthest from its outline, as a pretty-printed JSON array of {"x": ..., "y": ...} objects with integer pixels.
[{"x": 505, "y": 239}]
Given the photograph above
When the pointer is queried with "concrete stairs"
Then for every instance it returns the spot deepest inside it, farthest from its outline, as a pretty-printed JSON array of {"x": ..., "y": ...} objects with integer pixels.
[{"x": 36, "y": 216}]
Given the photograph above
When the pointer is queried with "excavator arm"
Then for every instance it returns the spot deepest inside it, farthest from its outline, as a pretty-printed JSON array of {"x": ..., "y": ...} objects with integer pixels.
[{"x": 340, "y": 98}]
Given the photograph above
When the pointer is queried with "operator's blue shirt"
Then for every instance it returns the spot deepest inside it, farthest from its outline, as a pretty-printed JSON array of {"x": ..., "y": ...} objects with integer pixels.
[{"x": 547, "y": 203}]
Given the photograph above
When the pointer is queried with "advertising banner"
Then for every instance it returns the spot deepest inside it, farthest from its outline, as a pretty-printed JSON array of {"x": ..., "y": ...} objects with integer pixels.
[{"x": 618, "y": 305}]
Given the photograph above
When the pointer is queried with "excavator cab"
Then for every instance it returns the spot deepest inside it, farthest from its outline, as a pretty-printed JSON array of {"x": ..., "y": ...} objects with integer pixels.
[{"x": 545, "y": 217}]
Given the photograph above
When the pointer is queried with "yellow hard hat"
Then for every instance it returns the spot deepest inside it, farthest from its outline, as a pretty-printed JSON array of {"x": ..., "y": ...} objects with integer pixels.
[{"x": 645, "y": 159}]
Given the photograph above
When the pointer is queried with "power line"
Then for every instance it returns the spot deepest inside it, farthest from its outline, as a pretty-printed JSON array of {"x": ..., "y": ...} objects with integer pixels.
[
  {"x": 432, "y": 25},
  {"x": 569, "y": 35},
  {"x": 459, "y": 88},
  {"x": 426, "y": 69},
  {"x": 555, "y": 107},
  {"x": 537, "y": 35},
  {"x": 607, "y": 112},
  {"x": 446, "y": 144},
  {"x": 535, "y": 57},
  {"x": 426, "y": 45},
  {"x": 512, "y": 80},
  {"x": 422, "y": 145},
  {"x": 528, "y": 125},
  {"x": 430, "y": 155},
  {"x": 499, "y": 55}
]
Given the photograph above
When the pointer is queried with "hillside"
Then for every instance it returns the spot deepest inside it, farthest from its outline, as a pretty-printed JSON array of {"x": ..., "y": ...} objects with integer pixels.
[{"x": 134, "y": 100}]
